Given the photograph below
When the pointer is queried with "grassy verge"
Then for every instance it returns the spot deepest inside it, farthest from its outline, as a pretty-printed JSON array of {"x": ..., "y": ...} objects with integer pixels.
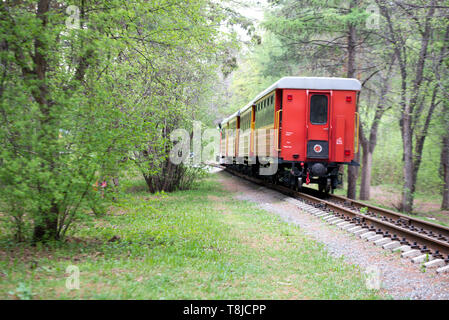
[{"x": 197, "y": 244}]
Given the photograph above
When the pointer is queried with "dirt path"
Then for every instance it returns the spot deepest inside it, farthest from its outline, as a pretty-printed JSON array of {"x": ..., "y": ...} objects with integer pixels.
[{"x": 399, "y": 277}]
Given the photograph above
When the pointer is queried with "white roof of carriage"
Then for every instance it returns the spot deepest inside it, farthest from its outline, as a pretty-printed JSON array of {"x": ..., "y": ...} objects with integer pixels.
[{"x": 313, "y": 83}]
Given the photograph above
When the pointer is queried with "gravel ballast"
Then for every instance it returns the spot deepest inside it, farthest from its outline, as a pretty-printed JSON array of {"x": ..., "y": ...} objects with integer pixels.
[{"x": 400, "y": 279}]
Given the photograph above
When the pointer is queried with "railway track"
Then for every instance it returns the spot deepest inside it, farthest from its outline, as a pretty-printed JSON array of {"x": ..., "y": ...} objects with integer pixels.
[{"x": 422, "y": 242}]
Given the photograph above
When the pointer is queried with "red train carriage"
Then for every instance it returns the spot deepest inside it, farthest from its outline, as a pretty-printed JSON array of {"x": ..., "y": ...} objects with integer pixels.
[{"x": 306, "y": 126}]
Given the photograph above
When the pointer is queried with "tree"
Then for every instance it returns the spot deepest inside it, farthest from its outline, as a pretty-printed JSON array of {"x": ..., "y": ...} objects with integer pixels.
[
  {"x": 441, "y": 71},
  {"x": 185, "y": 69},
  {"x": 410, "y": 29},
  {"x": 76, "y": 99},
  {"x": 368, "y": 140},
  {"x": 445, "y": 170}
]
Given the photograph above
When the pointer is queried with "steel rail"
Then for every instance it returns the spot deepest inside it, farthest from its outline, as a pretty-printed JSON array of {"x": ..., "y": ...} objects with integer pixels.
[
  {"x": 416, "y": 239},
  {"x": 397, "y": 217}
]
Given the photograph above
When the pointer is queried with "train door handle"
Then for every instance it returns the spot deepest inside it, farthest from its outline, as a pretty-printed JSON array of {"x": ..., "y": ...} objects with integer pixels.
[{"x": 325, "y": 128}]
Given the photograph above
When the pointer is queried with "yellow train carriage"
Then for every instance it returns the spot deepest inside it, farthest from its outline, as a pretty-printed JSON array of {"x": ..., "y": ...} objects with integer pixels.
[
  {"x": 250, "y": 132},
  {"x": 245, "y": 134},
  {"x": 231, "y": 136},
  {"x": 265, "y": 128}
]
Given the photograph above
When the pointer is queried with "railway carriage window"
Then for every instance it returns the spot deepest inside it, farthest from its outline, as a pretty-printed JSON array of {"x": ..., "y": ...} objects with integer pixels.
[{"x": 318, "y": 109}]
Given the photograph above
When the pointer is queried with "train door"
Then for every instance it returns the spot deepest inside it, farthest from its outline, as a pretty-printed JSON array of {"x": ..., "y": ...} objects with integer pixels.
[
  {"x": 318, "y": 125},
  {"x": 253, "y": 126},
  {"x": 278, "y": 119},
  {"x": 227, "y": 139},
  {"x": 237, "y": 137}
]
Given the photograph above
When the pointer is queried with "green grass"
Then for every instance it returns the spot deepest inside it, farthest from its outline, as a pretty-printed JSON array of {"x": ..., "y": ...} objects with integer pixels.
[{"x": 196, "y": 244}]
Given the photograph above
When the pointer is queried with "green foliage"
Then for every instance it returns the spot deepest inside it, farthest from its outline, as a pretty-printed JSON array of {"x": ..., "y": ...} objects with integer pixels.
[
  {"x": 313, "y": 35},
  {"x": 77, "y": 104},
  {"x": 23, "y": 292}
]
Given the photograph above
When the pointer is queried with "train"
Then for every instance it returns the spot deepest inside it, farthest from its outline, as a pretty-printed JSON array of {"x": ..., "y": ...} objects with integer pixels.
[{"x": 300, "y": 128}]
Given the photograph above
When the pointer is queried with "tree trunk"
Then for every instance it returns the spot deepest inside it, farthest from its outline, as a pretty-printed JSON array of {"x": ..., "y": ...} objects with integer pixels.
[
  {"x": 367, "y": 163},
  {"x": 46, "y": 224},
  {"x": 353, "y": 174},
  {"x": 407, "y": 192},
  {"x": 445, "y": 167},
  {"x": 46, "y": 228},
  {"x": 369, "y": 144},
  {"x": 412, "y": 155},
  {"x": 353, "y": 171}
]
